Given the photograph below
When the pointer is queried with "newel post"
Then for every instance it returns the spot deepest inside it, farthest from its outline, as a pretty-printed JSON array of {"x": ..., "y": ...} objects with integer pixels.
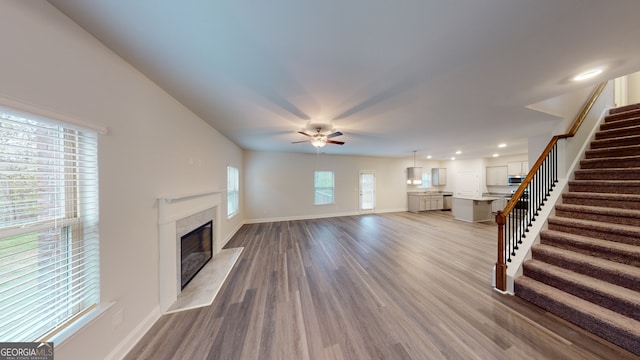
[{"x": 501, "y": 266}]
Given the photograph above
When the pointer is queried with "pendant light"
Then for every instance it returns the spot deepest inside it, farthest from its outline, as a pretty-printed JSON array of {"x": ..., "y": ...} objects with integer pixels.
[{"x": 414, "y": 174}]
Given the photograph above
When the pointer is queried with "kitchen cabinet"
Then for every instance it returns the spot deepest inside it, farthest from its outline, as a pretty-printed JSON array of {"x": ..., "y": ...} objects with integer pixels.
[
  {"x": 497, "y": 175},
  {"x": 518, "y": 168},
  {"x": 499, "y": 204},
  {"x": 425, "y": 202},
  {"x": 438, "y": 176}
]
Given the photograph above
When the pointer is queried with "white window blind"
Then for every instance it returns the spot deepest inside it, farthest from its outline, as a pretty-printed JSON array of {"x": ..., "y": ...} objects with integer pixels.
[
  {"x": 232, "y": 191},
  {"x": 49, "y": 261},
  {"x": 323, "y": 188}
]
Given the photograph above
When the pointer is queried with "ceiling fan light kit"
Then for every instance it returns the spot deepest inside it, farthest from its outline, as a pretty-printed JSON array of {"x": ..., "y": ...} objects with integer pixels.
[{"x": 320, "y": 134}]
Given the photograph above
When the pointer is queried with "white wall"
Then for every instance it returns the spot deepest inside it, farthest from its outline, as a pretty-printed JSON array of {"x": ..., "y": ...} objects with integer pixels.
[
  {"x": 279, "y": 186},
  {"x": 155, "y": 147},
  {"x": 633, "y": 90}
]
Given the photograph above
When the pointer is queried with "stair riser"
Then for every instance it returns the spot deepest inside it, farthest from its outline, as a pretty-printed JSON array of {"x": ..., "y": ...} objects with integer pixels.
[
  {"x": 618, "y": 124},
  {"x": 586, "y": 249},
  {"x": 610, "y": 276},
  {"x": 624, "y": 109},
  {"x": 605, "y": 189},
  {"x": 607, "y": 218},
  {"x": 612, "y": 152},
  {"x": 608, "y": 174},
  {"x": 607, "y": 332},
  {"x": 621, "y": 306},
  {"x": 608, "y": 163},
  {"x": 610, "y": 203},
  {"x": 624, "y": 112},
  {"x": 596, "y": 233},
  {"x": 625, "y": 141},
  {"x": 610, "y": 134}
]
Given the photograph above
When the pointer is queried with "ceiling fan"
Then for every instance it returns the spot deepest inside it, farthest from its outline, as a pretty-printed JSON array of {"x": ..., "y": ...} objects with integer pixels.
[{"x": 320, "y": 135}]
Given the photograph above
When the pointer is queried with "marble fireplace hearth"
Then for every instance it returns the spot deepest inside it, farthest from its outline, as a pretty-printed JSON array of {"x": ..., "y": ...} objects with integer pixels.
[{"x": 177, "y": 216}]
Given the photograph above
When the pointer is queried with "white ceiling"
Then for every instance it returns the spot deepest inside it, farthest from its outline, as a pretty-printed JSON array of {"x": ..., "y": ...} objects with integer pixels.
[{"x": 394, "y": 76}]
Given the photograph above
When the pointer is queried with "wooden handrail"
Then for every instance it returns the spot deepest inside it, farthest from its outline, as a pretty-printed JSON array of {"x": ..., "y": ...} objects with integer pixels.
[
  {"x": 572, "y": 131},
  {"x": 501, "y": 216}
]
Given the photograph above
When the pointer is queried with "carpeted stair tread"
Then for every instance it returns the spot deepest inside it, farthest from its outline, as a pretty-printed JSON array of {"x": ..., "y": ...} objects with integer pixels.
[
  {"x": 606, "y": 186},
  {"x": 613, "y": 142},
  {"x": 586, "y": 266},
  {"x": 604, "y": 249},
  {"x": 627, "y": 234},
  {"x": 621, "y": 123},
  {"x": 626, "y": 161},
  {"x": 614, "y": 133},
  {"x": 599, "y": 213},
  {"x": 623, "y": 112},
  {"x": 615, "y": 151},
  {"x": 616, "y": 273},
  {"x": 616, "y": 328},
  {"x": 628, "y": 201},
  {"x": 632, "y": 173},
  {"x": 613, "y": 297}
]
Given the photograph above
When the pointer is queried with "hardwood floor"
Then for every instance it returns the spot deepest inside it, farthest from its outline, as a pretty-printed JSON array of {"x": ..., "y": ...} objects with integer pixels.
[{"x": 390, "y": 286}]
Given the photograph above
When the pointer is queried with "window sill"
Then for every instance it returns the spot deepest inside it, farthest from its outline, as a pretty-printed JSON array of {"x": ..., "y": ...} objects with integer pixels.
[{"x": 79, "y": 324}]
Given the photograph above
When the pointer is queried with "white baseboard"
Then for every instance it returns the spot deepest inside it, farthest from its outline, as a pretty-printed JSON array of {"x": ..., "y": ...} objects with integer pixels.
[
  {"x": 232, "y": 233},
  {"x": 384, "y": 211},
  {"x": 121, "y": 350},
  {"x": 321, "y": 216}
]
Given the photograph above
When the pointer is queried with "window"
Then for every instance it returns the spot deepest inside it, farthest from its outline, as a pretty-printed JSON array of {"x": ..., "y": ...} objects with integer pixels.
[
  {"x": 232, "y": 191},
  {"x": 323, "y": 188},
  {"x": 49, "y": 261},
  {"x": 426, "y": 181}
]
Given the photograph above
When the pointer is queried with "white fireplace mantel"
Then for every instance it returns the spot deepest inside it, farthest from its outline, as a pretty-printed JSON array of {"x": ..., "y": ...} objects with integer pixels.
[{"x": 170, "y": 210}]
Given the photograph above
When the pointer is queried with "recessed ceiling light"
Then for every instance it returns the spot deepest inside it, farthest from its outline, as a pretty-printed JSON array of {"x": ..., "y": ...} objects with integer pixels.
[
  {"x": 588, "y": 74},
  {"x": 453, "y": 158},
  {"x": 458, "y": 152},
  {"x": 502, "y": 145},
  {"x": 428, "y": 156},
  {"x": 496, "y": 155}
]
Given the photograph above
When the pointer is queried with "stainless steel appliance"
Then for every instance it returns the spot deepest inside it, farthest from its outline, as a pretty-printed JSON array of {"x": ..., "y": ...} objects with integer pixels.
[{"x": 515, "y": 180}]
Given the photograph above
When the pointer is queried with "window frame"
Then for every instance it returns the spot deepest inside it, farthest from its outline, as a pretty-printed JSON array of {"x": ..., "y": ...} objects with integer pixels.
[
  {"x": 317, "y": 189},
  {"x": 233, "y": 191},
  {"x": 60, "y": 212},
  {"x": 426, "y": 181}
]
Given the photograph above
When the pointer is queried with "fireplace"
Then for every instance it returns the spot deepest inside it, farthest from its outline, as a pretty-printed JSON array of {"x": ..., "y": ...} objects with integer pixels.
[{"x": 195, "y": 251}]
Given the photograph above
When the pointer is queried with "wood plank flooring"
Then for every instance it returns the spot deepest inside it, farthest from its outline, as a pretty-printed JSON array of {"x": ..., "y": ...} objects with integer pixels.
[{"x": 389, "y": 286}]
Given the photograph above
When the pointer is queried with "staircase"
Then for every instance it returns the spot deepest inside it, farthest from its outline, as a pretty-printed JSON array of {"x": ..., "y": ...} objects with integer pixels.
[{"x": 586, "y": 268}]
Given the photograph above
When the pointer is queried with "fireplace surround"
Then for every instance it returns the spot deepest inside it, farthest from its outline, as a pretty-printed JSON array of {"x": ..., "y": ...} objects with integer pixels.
[{"x": 178, "y": 216}]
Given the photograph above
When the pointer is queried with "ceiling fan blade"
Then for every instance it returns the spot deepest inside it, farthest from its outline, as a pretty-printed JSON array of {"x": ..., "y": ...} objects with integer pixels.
[
  {"x": 303, "y": 133},
  {"x": 335, "y": 142},
  {"x": 337, "y": 133},
  {"x": 297, "y": 142}
]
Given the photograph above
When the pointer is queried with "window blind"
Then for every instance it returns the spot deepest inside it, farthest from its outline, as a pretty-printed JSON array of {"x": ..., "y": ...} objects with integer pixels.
[
  {"x": 323, "y": 188},
  {"x": 49, "y": 261},
  {"x": 232, "y": 191}
]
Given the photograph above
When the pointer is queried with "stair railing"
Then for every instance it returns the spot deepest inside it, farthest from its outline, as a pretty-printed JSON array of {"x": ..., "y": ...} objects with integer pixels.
[{"x": 520, "y": 212}]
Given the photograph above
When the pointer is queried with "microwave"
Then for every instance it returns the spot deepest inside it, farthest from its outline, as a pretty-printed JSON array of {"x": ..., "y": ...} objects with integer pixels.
[{"x": 515, "y": 180}]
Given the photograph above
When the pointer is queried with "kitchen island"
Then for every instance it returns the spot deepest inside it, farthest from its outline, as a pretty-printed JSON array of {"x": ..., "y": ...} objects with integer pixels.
[{"x": 473, "y": 209}]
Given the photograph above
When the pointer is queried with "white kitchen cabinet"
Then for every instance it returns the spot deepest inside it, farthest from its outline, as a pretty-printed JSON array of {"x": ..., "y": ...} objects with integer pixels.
[
  {"x": 416, "y": 203},
  {"x": 425, "y": 202},
  {"x": 438, "y": 176},
  {"x": 518, "y": 168},
  {"x": 497, "y": 175},
  {"x": 499, "y": 204}
]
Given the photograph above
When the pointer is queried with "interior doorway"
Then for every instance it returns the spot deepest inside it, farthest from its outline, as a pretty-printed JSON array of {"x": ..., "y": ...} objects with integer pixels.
[{"x": 367, "y": 191}]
